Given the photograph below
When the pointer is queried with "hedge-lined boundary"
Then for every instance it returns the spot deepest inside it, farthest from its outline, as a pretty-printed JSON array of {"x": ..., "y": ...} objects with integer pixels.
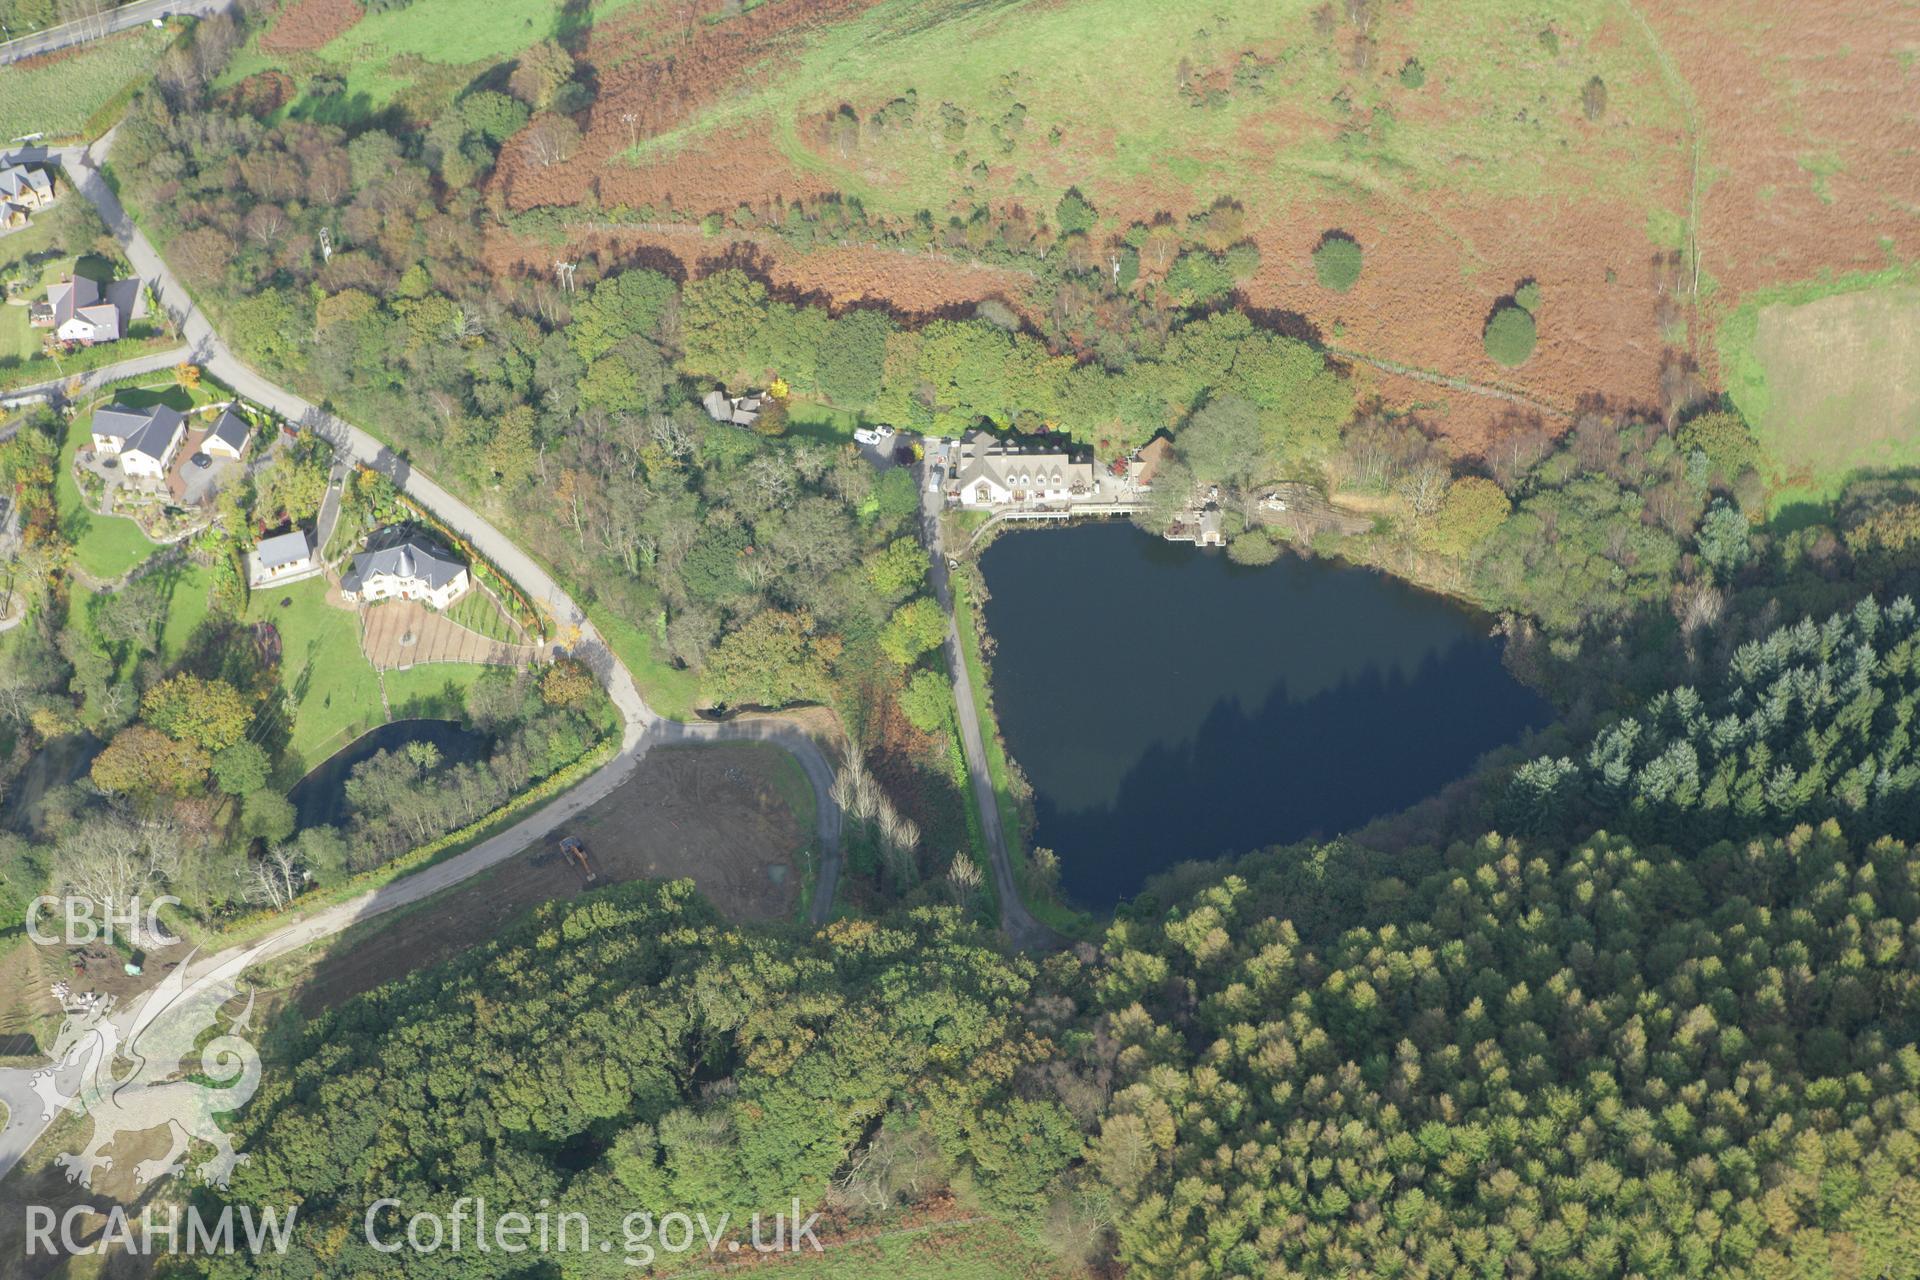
[
  {"x": 41, "y": 370},
  {"x": 247, "y": 927}
]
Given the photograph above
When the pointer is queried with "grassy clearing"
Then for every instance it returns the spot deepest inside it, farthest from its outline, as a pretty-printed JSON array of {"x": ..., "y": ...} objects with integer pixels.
[
  {"x": 1499, "y": 111},
  {"x": 1825, "y": 371},
  {"x": 810, "y": 420},
  {"x": 189, "y": 598},
  {"x": 671, "y": 691},
  {"x": 335, "y": 693},
  {"x": 418, "y": 56},
  {"x": 980, "y": 1249},
  {"x": 59, "y": 96}
]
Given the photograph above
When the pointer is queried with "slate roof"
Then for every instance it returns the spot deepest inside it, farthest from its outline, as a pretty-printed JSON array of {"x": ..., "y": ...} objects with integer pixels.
[
  {"x": 282, "y": 549},
  {"x": 409, "y": 556},
  {"x": 15, "y": 179},
  {"x": 147, "y": 431},
  {"x": 986, "y": 456},
  {"x": 109, "y": 308},
  {"x": 231, "y": 430}
]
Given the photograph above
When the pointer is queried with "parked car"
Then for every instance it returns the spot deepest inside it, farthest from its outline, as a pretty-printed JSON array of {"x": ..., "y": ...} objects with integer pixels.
[
  {"x": 865, "y": 436},
  {"x": 201, "y": 460},
  {"x": 884, "y": 431}
]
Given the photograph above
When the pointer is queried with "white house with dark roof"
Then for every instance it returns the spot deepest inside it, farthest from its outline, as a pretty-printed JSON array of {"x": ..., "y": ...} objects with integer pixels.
[
  {"x": 83, "y": 311},
  {"x": 285, "y": 557},
  {"x": 228, "y": 437},
  {"x": 991, "y": 470},
  {"x": 400, "y": 564},
  {"x": 144, "y": 440}
]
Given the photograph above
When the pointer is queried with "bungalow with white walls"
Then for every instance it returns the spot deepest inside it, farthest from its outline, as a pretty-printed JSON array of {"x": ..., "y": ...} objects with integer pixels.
[{"x": 285, "y": 557}]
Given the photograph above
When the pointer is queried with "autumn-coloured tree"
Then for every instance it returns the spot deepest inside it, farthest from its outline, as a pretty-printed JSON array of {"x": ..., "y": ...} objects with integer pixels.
[
  {"x": 142, "y": 760},
  {"x": 210, "y": 714},
  {"x": 567, "y": 683}
]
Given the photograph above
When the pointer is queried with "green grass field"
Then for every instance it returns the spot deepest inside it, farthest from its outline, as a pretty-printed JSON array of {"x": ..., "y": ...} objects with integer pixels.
[
  {"x": 189, "y": 599},
  {"x": 336, "y": 695},
  {"x": 1827, "y": 372},
  {"x": 668, "y": 689},
  {"x": 58, "y": 96},
  {"x": 1499, "y": 110},
  {"x": 809, "y": 420}
]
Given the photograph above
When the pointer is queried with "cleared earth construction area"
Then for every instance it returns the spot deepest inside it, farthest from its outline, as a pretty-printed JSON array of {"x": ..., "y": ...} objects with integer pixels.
[{"x": 736, "y": 819}]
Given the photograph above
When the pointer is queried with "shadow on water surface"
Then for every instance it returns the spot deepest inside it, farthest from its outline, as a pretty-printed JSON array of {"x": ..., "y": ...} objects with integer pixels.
[
  {"x": 1288, "y": 770},
  {"x": 1168, "y": 705}
]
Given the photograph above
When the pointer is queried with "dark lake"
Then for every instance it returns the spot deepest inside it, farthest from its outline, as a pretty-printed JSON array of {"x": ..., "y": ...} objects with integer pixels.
[
  {"x": 320, "y": 798},
  {"x": 1167, "y": 704}
]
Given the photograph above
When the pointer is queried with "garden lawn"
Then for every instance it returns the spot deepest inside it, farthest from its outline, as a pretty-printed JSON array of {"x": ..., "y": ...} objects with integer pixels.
[
  {"x": 57, "y": 95},
  {"x": 188, "y": 601},
  {"x": 108, "y": 546},
  {"x": 477, "y": 612},
  {"x": 333, "y": 688},
  {"x": 812, "y": 421},
  {"x": 104, "y": 546},
  {"x": 41, "y": 254},
  {"x": 431, "y": 691}
]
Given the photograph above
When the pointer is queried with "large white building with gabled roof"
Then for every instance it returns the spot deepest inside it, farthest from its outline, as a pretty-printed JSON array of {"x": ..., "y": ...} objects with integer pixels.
[{"x": 400, "y": 564}]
